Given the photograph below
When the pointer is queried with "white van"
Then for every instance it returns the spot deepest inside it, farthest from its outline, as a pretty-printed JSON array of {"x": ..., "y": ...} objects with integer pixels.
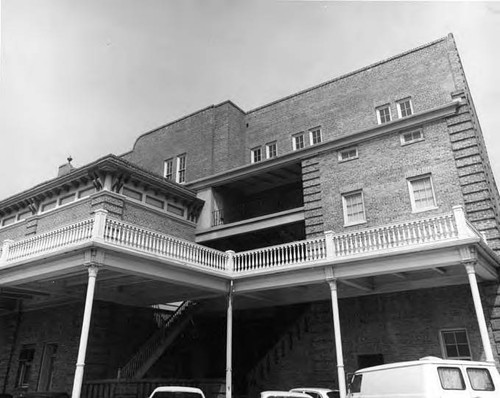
[
  {"x": 430, "y": 377},
  {"x": 177, "y": 392}
]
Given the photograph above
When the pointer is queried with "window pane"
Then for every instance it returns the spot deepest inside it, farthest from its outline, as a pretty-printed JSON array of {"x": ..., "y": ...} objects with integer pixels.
[
  {"x": 354, "y": 208},
  {"x": 480, "y": 379},
  {"x": 451, "y": 379},
  {"x": 422, "y": 193}
]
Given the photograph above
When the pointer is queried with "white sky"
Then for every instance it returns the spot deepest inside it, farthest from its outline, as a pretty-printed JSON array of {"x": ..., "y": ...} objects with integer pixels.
[{"x": 87, "y": 77}]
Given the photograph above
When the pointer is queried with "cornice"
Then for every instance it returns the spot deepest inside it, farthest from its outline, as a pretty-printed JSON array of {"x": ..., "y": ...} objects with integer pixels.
[
  {"x": 88, "y": 173},
  {"x": 355, "y": 137}
]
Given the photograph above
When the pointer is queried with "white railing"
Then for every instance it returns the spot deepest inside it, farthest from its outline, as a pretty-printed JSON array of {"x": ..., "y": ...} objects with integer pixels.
[
  {"x": 282, "y": 255},
  {"x": 123, "y": 234},
  {"x": 307, "y": 252},
  {"x": 46, "y": 242},
  {"x": 397, "y": 235}
]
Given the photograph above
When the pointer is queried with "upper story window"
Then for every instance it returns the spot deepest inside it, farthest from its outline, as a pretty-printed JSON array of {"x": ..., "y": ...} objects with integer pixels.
[
  {"x": 168, "y": 169},
  {"x": 348, "y": 154},
  {"x": 384, "y": 114},
  {"x": 271, "y": 150},
  {"x": 298, "y": 141},
  {"x": 409, "y": 137},
  {"x": 405, "y": 108},
  {"x": 315, "y": 136},
  {"x": 354, "y": 208},
  {"x": 256, "y": 154},
  {"x": 421, "y": 193},
  {"x": 455, "y": 344},
  {"x": 181, "y": 169}
]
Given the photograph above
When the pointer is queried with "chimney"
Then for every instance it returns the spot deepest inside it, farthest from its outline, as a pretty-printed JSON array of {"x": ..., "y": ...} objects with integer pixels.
[{"x": 65, "y": 168}]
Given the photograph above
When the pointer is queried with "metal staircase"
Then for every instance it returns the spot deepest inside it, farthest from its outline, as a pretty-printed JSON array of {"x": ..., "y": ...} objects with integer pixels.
[{"x": 156, "y": 345}]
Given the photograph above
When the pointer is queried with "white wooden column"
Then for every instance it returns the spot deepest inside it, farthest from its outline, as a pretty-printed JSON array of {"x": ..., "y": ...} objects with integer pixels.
[
  {"x": 483, "y": 329},
  {"x": 80, "y": 362},
  {"x": 229, "y": 342},
  {"x": 338, "y": 337}
]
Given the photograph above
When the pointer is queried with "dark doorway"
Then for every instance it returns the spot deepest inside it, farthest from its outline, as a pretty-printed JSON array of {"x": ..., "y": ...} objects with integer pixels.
[{"x": 365, "y": 361}]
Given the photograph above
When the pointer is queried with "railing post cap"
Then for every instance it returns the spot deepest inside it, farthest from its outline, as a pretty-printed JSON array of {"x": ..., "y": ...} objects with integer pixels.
[
  {"x": 8, "y": 241},
  {"x": 458, "y": 207},
  {"x": 100, "y": 211},
  {"x": 230, "y": 252},
  {"x": 329, "y": 232}
]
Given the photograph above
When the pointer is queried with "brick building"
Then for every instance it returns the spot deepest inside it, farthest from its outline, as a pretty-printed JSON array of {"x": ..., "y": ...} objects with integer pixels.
[{"x": 369, "y": 197}]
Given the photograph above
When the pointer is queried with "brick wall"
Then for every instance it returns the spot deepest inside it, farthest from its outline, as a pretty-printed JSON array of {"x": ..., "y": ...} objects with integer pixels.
[
  {"x": 381, "y": 172},
  {"x": 116, "y": 332},
  {"x": 400, "y": 326},
  {"x": 220, "y": 137}
]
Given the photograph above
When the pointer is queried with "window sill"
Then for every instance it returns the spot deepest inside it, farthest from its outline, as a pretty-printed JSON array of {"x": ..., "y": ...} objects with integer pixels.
[
  {"x": 354, "y": 223},
  {"x": 426, "y": 209},
  {"x": 348, "y": 160},
  {"x": 412, "y": 142}
]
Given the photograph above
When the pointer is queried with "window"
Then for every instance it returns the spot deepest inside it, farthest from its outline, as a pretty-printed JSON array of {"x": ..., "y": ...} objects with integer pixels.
[
  {"x": 49, "y": 206},
  {"x": 8, "y": 221},
  {"x": 86, "y": 192},
  {"x": 298, "y": 141},
  {"x": 24, "y": 215},
  {"x": 455, "y": 344},
  {"x": 66, "y": 199},
  {"x": 155, "y": 202},
  {"x": 480, "y": 379},
  {"x": 25, "y": 364},
  {"x": 355, "y": 385},
  {"x": 421, "y": 194},
  {"x": 384, "y": 114},
  {"x": 354, "y": 209},
  {"x": 348, "y": 154},
  {"x": 404, "y": 108},
  {"x": 168, "y": 169},
  {"x": 271, "y": 150},
  {"x": 175, "y": 209},
  {"x": 409, "y": 137},
  {"x": 256, "y": 154},
  {"x": 181, "y": 169},
  {"x": 315, "y": 136},
  {"x": 132, "y": 194},
  {"x": 451, "y": 378}
]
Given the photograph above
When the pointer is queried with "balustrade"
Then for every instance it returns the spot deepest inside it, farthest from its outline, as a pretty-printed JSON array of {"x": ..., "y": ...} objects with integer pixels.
[
  {"x": 123, "y": 234},
  {"x": 327, "y": 247}
]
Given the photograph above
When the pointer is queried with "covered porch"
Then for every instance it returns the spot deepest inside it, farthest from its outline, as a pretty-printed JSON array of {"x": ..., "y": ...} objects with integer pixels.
[{"x": 109, "y": 260}]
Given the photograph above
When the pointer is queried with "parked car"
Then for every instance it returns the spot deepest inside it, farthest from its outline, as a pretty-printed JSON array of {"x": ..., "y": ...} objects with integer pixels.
[
  {"x": 283, "y": 394},
  {"x": 430, "y": 377},
  {"x": 316, "y": 392},
  {"x": 177, "y": 392}
]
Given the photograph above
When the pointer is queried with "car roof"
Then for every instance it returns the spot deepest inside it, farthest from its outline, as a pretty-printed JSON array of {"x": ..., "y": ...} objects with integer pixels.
[
  {"x": 424, "y": 362},
  {"x": 178, "y": 389},
  {"x": 285, "y": 394},
  {"x": 312, "y": 389}
]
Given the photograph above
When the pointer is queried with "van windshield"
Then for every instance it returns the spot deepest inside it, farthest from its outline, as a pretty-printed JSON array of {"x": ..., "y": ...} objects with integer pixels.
[{"x": 355, "y": 385}]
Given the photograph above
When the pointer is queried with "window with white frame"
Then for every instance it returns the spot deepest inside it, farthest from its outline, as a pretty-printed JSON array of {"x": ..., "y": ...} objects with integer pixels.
[
  {"x": 348, "y": 154},
  {"x": 384, "y": 114},
  {"x": 168, "y": 169},
  {"x": 354, "y": 208},
  {"x": 298, "y": 141},
  {"x": 409, "y": 137},
  {"x": 315, "y": 136},
  {"x": 271, "y": 150},
  {"x": 455, "y": 344},
  {"x": 421, "y": 193},
  {"x": 256, "y": 154},
  {"x": 181, "y": 169},
  {"x": 405, "y": 108}
]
